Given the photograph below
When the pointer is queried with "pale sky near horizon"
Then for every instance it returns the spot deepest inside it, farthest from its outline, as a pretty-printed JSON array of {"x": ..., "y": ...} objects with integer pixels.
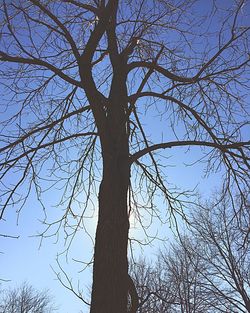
[{"x": 23, "y": 259}]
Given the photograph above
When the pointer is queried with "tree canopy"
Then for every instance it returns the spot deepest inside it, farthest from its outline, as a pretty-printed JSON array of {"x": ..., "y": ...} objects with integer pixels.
[
  {"x": 25, "y": 299},
  {"x": 206, "y": 268}
]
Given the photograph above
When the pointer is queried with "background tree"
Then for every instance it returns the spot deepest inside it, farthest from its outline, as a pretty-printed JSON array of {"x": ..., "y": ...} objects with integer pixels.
[
  {"x": 156, "y": 293},
  {"x": 204, "y": 271},
  {"x": 184, "y": 269},
  {"x": 176, "y": 283},
  {"x": 224, "y": 246},
  {"x": 80, "y": 82},
  {"x": 25, "y": 299}
]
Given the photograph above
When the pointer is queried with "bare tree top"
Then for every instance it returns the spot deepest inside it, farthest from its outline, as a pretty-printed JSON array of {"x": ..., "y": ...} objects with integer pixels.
[{"x": 183, "y": 64}]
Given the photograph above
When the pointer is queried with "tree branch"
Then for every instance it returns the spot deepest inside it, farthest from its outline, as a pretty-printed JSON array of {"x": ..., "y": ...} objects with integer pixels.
[
  {"x": 84, "y": 6},
  {"x": 161, "y": 70},
  {"x": 222, "y": 147},
  {"x": 45, "y": 145},
  {"x": 9, "y": 236},
  {"x": 180, "y": 103},
  {"x": 39, "y": 129},
  {"x": 182, "y": 79},
  {"x": 66, "y": 33},
  {"x": 16, "y": 59}
]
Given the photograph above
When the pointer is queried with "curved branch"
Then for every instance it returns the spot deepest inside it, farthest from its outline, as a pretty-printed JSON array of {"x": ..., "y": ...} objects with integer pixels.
[
  {"x": 219, "y": 52},
  {"x": 67, "y": 282},
  {"x": 66, "y": 33},
  {"x": 180, "y": 103},
  {"x": 84, "y": 6},
  {"x": 96, "y": 35},
  {"x": 182, "y": 79},
  {"x": 45, "y": 145},
  {"x": 50, "y": 125},
  {"x": 222, "y": 147},
  {"x": 16, "y": 59},
  {"x": 161, "y": 70}
]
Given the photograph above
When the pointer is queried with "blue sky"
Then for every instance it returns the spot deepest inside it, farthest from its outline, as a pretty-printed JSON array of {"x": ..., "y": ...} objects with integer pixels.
[{"x": 24, "y": 259}]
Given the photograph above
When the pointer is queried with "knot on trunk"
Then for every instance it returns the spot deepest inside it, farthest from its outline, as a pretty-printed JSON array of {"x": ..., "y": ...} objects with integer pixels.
[{"x": 133, "y": 296}]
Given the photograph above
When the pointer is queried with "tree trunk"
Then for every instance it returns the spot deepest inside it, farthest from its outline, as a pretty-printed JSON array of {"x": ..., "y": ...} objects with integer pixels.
[{"x": 110, "y": 272}]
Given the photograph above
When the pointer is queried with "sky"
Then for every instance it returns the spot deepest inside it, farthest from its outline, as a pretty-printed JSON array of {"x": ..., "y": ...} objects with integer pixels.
[
  {"x": 28, "y": 259},
  {"x": 23, "y": 259}
]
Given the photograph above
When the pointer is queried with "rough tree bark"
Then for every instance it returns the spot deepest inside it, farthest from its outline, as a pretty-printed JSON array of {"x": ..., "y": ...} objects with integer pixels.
[{"x": 111, "y": 271}]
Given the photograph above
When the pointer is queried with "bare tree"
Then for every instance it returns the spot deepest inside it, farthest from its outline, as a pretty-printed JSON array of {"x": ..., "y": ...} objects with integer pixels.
[
  {"x": 206, "y": 271},
  {"x": 155, "y": 292},
  {"x": 25, "y": 299},
  {"x": 184, "y": 268},
  {"x": 224, "y": 246},
  {"x": 176, "y": 282},
  {"x": 80, "y": 82}
]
